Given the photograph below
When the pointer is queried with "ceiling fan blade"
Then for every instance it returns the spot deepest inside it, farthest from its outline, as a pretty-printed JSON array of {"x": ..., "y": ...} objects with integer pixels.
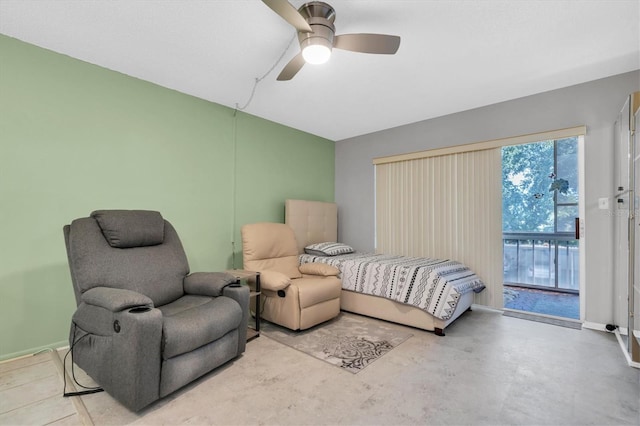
[
  {"x": 368, "y": 43},
  {"x": 289, "y": 13},
  {"x": 291, "y": 68}
]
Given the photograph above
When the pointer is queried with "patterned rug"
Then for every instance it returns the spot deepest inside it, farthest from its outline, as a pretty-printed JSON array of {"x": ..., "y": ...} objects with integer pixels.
[{"x": 348, "y": 341}]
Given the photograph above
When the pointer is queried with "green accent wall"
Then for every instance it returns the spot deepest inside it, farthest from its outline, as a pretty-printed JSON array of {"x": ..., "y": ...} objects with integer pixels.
[{"x": 75, "y": 138}]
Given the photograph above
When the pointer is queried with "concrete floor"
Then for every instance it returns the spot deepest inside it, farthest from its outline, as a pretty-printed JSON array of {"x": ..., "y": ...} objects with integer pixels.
[{"x": 488, "y": 369}]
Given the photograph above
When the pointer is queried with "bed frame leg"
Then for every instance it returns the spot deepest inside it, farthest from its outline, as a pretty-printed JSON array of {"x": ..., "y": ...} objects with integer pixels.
[{"x": 438, "y": 331}]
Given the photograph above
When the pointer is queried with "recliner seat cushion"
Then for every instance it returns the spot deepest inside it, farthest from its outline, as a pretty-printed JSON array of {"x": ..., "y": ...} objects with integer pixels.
[{"x": 188, "y": 322}]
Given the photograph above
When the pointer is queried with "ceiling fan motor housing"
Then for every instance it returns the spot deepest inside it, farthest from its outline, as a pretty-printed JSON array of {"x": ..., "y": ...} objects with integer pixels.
[{"x": 320, "y": 17}]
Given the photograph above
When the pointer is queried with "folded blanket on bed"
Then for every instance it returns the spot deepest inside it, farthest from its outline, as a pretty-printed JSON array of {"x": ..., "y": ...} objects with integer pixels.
[{"x": 434, "y": 285}]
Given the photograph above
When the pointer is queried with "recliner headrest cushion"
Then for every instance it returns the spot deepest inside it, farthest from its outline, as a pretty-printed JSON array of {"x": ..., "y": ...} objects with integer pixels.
[{"x": 130, "y": 228}]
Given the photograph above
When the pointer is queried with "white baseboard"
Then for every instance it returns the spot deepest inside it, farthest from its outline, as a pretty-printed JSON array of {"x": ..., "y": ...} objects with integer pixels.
[
  {"x": 603, "y": 327},
  {"x": 625, "y": 352},
  {"x": 485, "y": 308},
  {"x": 595, "y": 326}
]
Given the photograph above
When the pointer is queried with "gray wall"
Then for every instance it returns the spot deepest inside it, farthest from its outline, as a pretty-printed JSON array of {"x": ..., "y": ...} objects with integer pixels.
[{"x": 595, "y": 104}]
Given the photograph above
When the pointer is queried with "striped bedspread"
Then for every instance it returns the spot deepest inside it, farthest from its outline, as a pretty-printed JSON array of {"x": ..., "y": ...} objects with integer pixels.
[{"x": 434, "y": 285}]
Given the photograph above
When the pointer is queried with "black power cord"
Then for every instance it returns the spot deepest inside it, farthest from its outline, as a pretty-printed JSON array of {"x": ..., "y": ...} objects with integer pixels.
[{"x": 88, "y": 390}]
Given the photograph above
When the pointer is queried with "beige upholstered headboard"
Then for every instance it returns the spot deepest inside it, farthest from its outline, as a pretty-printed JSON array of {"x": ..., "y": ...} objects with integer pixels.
[{"x": 312, "y": 221}]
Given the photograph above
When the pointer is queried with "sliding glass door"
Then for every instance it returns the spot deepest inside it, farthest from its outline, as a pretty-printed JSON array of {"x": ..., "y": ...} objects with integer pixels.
[{"x": 540, "y": 187}]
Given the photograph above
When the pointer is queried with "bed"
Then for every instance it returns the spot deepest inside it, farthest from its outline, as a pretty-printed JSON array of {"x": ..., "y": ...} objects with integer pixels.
[{"x": 420, "y": 292}]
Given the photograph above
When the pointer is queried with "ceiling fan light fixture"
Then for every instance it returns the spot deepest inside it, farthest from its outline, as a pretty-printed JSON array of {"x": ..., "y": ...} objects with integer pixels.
[
  {"x": 316, "y": 54},
  {"x": 316, "y": 46},
  {"x": 314, "y": 22}
]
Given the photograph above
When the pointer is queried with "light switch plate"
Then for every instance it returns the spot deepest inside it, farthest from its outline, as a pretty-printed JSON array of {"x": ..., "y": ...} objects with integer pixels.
[{"x": 603, "y": 203}]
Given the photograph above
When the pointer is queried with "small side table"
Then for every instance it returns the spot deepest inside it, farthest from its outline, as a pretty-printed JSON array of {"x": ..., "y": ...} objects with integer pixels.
[{"x": 242, "y": 274}]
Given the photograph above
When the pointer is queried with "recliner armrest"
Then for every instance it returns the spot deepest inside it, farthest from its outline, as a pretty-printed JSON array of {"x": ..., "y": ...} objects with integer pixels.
[
  {"x": 274, "y": 280},
  {"x": 321, "y": 269},
  {"x": 207, "y": 283},
  {"x": 115, "y": 299},
  {"x": 122, "y": 349}
]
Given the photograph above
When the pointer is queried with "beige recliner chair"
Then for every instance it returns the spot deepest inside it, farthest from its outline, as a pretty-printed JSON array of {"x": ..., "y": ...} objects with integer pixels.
[{"x": 296, "y": 297}]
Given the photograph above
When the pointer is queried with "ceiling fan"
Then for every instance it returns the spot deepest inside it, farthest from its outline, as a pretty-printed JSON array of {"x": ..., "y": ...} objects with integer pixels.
[{"x": 316, "y": 34}]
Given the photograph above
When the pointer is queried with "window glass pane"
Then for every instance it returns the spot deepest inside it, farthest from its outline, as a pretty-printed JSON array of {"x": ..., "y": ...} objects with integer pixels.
[
  {"x": 527, "y": 202},
  {"x": 518, "y": 261},
  {"x": 567, "y": 170},
  {"x": 511, "y": 253},
  {"x": 568, "y": 265},
  {"x": 542, "y": 271},
  {"x": 567, "y": 218},
  {"x": 529, "y": 262}
]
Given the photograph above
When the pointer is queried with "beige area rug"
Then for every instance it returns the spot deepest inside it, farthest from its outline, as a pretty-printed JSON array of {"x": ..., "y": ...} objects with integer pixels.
[{"x": 349, "y": 341}]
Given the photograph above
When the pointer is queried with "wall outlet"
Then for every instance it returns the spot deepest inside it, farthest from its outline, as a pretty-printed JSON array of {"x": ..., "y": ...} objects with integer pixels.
[{"x": 603, "y": 203}]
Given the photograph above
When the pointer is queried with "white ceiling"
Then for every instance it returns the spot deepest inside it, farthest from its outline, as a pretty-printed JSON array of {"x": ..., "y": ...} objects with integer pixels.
[{"x": 454, "y": 55}]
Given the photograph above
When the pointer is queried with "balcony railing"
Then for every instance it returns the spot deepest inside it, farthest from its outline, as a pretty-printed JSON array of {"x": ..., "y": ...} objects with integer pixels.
[{"x": 548, "y": 261}]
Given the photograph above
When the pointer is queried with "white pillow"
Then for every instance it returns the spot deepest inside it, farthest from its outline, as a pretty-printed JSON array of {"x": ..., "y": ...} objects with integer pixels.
[{"x": 328, "y": 249}]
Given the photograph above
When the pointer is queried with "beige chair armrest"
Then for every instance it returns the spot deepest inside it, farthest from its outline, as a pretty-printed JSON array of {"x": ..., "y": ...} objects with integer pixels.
[
  {"x": 321, "y": 269},
  {"x": 273, "y": 280}
]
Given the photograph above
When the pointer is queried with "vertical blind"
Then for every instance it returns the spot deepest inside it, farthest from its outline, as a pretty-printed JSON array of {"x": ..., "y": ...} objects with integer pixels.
[{"x": 447, "y": 207}]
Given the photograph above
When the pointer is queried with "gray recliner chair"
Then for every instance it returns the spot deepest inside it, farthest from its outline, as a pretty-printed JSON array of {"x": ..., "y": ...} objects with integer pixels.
[{"x": 144, "y": 326}]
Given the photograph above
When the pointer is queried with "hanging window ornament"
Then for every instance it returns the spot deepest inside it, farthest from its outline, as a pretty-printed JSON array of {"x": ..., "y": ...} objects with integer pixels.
[{"x": 560, "y": 185}]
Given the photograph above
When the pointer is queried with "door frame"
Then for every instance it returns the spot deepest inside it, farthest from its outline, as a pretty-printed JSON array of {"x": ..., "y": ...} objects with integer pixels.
[{"x": 582, "y": 214}]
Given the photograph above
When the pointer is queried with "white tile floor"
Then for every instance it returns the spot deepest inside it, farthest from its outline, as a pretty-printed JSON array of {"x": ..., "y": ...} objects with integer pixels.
[
  {"x": 488, "y": 369},
  {"x": 30, "y": 392}
]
